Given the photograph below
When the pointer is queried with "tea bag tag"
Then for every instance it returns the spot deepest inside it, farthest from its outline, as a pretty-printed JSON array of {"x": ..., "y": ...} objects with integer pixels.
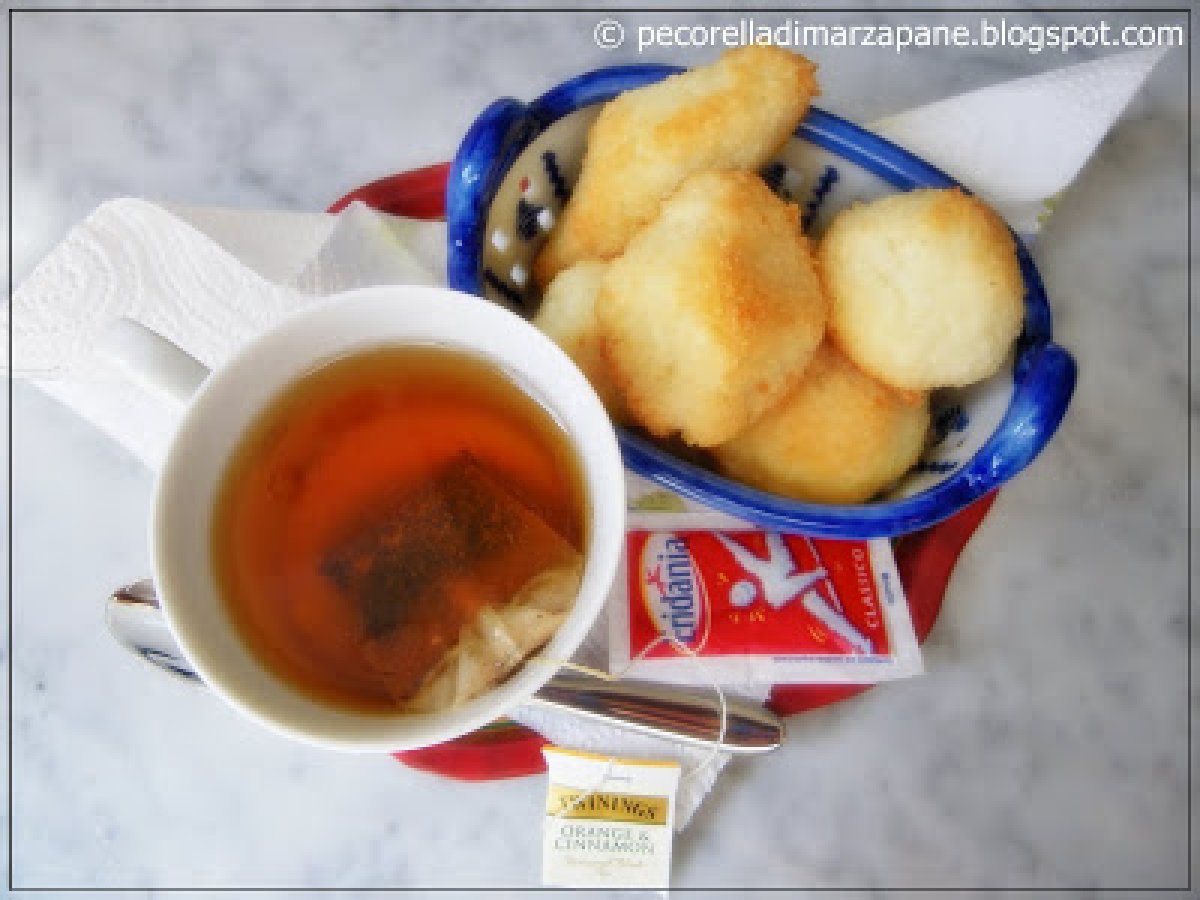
[{"x": 609, "y": 822}]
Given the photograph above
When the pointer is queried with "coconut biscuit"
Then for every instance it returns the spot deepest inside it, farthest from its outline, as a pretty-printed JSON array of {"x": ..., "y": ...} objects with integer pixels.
[
  {"x": 924, "y": 287},
  {"x": 568, "y": 315},
  {"x": 734, "y": 114},
  {"x": 712, "y": 312},
  {"x": 839, "y": 437}
]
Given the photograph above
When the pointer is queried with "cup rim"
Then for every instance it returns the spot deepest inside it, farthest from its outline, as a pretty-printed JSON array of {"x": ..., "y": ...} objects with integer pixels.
[{"x": 561, "y": 388}]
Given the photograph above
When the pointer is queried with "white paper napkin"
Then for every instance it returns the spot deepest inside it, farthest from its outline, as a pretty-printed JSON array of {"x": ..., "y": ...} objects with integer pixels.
[
  {"x": 1018, "y": 144},
  {"x": 209, "y": 279}
]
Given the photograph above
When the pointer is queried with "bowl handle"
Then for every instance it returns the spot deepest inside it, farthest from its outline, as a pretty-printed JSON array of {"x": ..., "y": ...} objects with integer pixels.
[
  {"x": 489, "y": 148},
  {"x": 1045, "y": 380}
]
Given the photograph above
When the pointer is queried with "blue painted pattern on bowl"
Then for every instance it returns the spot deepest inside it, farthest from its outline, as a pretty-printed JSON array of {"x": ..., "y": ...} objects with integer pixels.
[{"x": 511, "y": 177}]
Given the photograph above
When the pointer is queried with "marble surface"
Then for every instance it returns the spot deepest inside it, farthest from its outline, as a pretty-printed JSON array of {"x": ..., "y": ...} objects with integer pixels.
[{"x": 1047, "y": 745}]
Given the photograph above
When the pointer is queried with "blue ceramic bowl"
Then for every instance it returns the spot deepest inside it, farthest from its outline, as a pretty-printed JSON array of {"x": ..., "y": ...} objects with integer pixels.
[{"x": 513, "y": 173}]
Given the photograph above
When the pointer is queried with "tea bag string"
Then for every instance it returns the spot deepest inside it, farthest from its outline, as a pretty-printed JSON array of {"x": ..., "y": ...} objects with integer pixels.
[{"x": 714, "y": 746}]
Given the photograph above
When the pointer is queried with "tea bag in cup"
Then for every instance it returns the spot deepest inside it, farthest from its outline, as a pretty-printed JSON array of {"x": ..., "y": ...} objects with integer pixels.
[{"x": 456, "y": 581}]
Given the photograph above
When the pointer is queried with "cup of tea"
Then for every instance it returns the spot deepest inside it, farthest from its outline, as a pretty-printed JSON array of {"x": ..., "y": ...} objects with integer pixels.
[{"x": 386, "y": 521}]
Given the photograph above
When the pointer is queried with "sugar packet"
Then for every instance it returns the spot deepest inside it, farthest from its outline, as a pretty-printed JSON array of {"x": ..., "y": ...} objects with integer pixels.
[
  {"x": 609, "y": 822},
  {"x": 705, "y": 599}
]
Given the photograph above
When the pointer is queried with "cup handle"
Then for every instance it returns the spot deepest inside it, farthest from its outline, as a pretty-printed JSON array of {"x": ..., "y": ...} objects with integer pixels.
[
  {"x": 135, "y": 620},
  {"x": 152, "y": 362}
]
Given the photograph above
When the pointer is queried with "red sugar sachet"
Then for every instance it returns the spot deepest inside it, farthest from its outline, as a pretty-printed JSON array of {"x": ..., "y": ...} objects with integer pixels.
[{"x": 759, "y": 607}]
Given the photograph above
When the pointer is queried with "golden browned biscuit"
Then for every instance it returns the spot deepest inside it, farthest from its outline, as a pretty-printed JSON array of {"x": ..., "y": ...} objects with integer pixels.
[
  {"x": 924, "y": 287},
  {"x": 733, "y": 114},
  {"x": 568, "y": 316},
  {"x": 711, "y": 313},
  {"x": 839, "y": 437}
]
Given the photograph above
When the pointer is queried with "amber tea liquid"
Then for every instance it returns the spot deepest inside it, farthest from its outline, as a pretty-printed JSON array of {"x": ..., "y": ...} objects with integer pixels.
[{"x": 362, "y": 431}]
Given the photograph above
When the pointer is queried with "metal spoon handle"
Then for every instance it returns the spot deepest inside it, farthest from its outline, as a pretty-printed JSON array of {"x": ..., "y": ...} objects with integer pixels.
[
  {"x": 663, "y": 711},
  {"x": 673, "y": 713},
  {"x": 134, "y": 619}
]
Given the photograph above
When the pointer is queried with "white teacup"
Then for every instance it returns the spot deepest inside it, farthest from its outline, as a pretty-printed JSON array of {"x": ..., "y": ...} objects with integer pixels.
[{"x": 221, "y": 405}]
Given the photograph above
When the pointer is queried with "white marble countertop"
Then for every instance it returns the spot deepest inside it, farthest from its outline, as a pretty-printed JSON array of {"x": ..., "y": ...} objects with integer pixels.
[{"x": 1047, "y": 745}]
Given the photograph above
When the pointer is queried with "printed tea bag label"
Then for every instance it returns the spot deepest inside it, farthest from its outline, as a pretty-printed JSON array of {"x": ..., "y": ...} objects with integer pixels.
[
  {"x": 608, "y": 821},
  {"x": 760, "y": 606}
]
